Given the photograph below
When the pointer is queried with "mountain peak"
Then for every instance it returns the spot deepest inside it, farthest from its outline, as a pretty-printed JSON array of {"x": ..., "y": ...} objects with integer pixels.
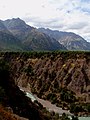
[
  {"x": 15, "y": 23},
  {"x": 43, "y": 38},
  {"x": 17, "y": 27},
  {"x": 70, "y": 40},
  {"x": 2, "y": 26}
]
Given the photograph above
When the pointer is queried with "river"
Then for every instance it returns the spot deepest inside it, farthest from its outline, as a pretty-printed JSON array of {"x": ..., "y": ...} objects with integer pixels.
[
  {"x": 50, "y": 106},
  {"x": 84, "y": 118}
]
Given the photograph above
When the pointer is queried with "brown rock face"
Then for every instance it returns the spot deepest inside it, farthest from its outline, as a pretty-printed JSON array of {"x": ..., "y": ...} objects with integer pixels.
[{"x": 47, "y": 72}]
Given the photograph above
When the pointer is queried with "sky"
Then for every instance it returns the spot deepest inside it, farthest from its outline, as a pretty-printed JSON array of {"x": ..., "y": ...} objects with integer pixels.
[{"x": 62, "y": 15}]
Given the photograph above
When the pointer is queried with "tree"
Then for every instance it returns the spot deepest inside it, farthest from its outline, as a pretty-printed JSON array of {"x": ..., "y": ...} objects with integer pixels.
[
  {"x": 65, "y": 117},
  {"x": 75, "y": 118}
]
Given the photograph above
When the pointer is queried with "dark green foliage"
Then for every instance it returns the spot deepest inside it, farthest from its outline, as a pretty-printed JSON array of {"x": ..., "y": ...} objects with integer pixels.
[
  {"x": 67, "y": 96},
  {"x": 47, "y": 54},
  {"x": 88, "y": 107},
  {"x": 74, "y": 108},
  {"x": 29, "y": 71},
  {"x": 47, "y": 86},
  {"x": 79, "y": 107},
  {"x": 75, "y": 118},
  {"x": 52, "y": 97},
  {"x": 64, "y": 117}
]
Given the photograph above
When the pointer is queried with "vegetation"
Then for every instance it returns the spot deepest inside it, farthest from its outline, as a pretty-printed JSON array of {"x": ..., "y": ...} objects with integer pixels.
[
  {"x": 54, "y": 76},
  {"x": 5, "y": 115}
]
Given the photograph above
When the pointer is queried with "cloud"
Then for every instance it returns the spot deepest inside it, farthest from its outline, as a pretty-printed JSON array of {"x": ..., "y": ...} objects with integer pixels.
[
  {"x": 53, "y": 23},
  {"x": 78, "y": 26},
  {"x": 63, "y": 15}
]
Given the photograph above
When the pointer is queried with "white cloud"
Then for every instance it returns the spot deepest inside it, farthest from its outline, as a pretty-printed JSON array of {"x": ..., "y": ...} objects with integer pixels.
[{"x": 66, "y": 15}]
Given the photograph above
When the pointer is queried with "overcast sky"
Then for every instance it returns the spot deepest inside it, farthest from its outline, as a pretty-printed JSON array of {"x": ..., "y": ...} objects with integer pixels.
[{"x": 63, "y": 15}]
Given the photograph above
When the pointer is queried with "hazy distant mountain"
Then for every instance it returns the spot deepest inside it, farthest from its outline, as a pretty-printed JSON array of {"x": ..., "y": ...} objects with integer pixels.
[
  {"x": 31, "y": 38},
  {"x": 70, "y": 40}
]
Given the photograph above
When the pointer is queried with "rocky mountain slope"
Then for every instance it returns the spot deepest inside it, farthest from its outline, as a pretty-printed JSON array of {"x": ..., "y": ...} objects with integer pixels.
[
  {"x": 21, "y": 37},
  {"x": 8, "y": 42},
  {"x": 60, "y": 77},
  {"x": 2, "y": 26},
  {"x": 39, "y": 41},
  {"x": 18, "y": 27},
  {"x": 70, "y": 40},
  {"x": 28, "y": 38}
]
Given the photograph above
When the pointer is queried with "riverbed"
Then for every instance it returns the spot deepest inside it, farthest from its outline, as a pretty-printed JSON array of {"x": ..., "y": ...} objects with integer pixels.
[{"x": 84, "y": 118}]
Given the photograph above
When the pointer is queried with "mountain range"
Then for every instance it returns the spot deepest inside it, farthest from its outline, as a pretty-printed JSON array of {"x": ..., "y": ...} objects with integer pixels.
[
  {"x": 70, "y": 40},
  {"x": 16, "y": 35}
]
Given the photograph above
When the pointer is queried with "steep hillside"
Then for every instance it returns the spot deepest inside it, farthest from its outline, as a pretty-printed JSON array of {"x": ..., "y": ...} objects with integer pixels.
[
  {"x": 28, "y": 37},
  {"x": 70, "y": 40},
  {"x": 2, "y": 26},
  {"x": 40, "y": 41},
  {"x": 6, "y": 114},
  {"x": 60, "y": 77},
  {"x": 14, "y": 103},
  {"x": 10, "y": 45},
  {"x": 7, "y": 41},
  {"x": 18, "y": 27}
]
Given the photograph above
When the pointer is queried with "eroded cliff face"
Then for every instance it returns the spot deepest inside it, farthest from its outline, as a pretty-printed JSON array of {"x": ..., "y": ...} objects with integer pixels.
[
  {"x": 14, "y": 104},
  {"x": 50, "y": 72}
]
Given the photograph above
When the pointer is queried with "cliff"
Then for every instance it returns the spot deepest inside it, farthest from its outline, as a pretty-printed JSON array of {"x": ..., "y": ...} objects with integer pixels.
[{"x": 60, "y": 77}]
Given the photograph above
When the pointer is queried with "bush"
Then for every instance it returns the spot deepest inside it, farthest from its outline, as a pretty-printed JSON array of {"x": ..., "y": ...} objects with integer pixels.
[
  {"x": 64, "y": 117},
  {"x": 75, "y": 108},
  {"x": 67, "y": 96},
  {"x": 75, "y": 118}
]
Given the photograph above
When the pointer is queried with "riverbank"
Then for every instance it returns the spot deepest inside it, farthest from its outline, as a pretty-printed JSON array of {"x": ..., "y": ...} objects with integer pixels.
[{"x": 50, "y": 107}]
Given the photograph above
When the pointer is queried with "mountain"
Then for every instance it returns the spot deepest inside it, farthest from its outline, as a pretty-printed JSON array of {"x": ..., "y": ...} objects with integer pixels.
[
  {"x": 18, "y": 27},
  {"x": 2, "y": 26},
  {"x": 16, "y": 35},
  {"x": 30, "y": 37},
  {"x": 8, "y": 42},
  {"x": 70, "y": 40},
  {"x": 40, "y": 41}
]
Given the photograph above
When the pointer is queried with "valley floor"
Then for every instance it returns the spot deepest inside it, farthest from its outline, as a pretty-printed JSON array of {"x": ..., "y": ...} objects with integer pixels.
[{"x": 50, "y": 107}]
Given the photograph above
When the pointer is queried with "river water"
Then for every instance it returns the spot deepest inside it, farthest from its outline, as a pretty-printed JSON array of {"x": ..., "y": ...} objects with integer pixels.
[
  {"x": 81, "y": 118},
  {"x": 84, "y": 118},
  {"x": 50, "y": 106}
]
